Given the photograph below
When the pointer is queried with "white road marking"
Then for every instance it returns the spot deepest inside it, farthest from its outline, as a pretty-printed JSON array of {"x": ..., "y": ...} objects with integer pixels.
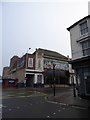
[
  {"x": 63, "y": 104},
  {"x": 21, "y": 96},
  {"x": 78, "y": 107},
  {"x": 67, "y": 105},
  {"x": 53, "y": 102},
  {"x": 29, "y": 96},
  {"x": 48, "y": 116},
  {"x": 58, "y": 103},
  {"x": 54, "y": 113}
]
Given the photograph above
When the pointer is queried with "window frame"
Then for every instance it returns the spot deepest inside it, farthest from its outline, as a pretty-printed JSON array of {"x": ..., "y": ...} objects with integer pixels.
[
  {"x": 84, "y": 28},
  {"x": 39, "y": 63},
  {"x": 86, "y": 47},
  {"x": 30, "y": 60}
]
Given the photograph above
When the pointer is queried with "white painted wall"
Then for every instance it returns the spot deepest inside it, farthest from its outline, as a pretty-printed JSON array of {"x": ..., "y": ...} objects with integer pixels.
[
  {"x": 89, "y": 8},
  {"x": 72, "y": 72},
  {"x": 76, "y": 47},
  {"x": 39, "y": 57},
  {"x": 35, "y": 78},
  {"x": 89, "y": 25}
]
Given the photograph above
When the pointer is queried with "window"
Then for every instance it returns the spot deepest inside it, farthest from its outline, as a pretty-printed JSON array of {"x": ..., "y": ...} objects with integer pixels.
[
  {"x": 83, "y": 28},
  {"x": 39, "y": 78},
  {"x": 86, "y": 72},
  {"x": 30, "y": 62},
  {"x": 86, "y": 47},
  {"x": 39, "y": 63},
  {"x": 20, "y": 63}
]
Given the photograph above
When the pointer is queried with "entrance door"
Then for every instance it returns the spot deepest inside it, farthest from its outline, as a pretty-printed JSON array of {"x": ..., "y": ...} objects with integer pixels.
[
  {"x": 30, "y": 80},
  {"x": 87, "y": 81}
]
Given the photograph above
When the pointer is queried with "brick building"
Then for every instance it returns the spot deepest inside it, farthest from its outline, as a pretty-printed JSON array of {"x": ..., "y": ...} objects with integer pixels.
[
  {"x": 7, "y": 80},
  {"x": 37, "y": 68}
]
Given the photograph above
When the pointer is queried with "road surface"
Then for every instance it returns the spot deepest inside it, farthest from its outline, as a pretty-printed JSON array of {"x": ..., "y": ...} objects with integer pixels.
[{"x": 28, "y": 104}]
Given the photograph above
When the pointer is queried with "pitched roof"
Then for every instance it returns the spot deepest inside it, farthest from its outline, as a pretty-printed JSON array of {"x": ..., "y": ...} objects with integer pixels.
[
  {"x": 52, "y": 54},
  {"x": 78, "y": 22}
]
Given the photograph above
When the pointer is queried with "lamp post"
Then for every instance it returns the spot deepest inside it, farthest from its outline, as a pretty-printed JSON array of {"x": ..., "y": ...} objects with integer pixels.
[
  {"x": 54, "y": 79},
  {"x": 74, "y": 91},
  {"x": 27, "y": 57},
  {"x": 26, "y": 65}
]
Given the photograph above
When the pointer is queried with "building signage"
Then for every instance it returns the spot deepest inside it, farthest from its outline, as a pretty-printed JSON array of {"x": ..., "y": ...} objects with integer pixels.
[
  {"x": 11, "y": 81},
  {"x": 50, "y": 72},
  {"x": 60, "y": 65}
]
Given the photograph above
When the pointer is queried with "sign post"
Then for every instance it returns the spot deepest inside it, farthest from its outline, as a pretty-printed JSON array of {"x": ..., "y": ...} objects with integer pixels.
[{"x": 74, "y": 89}]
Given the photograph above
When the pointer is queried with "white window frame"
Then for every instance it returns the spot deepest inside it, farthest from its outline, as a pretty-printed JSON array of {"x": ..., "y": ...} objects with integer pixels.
[
  {"x": 39, "y": 78},
  {"x": 30, "y": 60},
  {"x": 39, "y": 63},
  {"x": 84, "y": 28},
  {"x": 86, "y": 49}
]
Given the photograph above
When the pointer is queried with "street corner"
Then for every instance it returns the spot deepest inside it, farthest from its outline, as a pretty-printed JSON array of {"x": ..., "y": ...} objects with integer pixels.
[
  {"x": 69, "y": 100},
  {"x": 61, "y": 98}
]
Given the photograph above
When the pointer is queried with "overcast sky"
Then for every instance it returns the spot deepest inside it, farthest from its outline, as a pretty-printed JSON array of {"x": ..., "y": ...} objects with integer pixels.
[{"x": 42, "y": 24}]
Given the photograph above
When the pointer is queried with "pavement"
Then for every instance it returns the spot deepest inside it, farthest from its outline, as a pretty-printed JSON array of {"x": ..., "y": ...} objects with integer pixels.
[
  {"x": 68, "y": 99},
  {"x": 65, "y": 98}
]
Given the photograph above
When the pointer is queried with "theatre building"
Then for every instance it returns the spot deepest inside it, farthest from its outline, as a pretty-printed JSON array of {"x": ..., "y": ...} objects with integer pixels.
[{"x": 37, "y": 69}]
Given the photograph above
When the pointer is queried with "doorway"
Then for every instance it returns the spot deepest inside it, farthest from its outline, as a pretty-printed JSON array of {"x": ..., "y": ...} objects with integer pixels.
[
  {"x": 30, "y": 80},
  {"x": 87, "y": 82}
]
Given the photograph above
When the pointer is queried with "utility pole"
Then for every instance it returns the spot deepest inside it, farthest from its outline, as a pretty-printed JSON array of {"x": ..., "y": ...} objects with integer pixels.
[
  {"x": 27, "y": 58},
  {"x": 54, "y": 79},
  {"x": 74, "y": 91},
  {"x": 26, "y": 66}
]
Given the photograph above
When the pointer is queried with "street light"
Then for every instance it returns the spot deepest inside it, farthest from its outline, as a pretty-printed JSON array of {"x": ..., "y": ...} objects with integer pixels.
[
  {"x": 27, "y": 57},
  {"x": 54, "y": 79},
  {"x": 74, "y": 90},
  {"x": 26, "y": 65}
]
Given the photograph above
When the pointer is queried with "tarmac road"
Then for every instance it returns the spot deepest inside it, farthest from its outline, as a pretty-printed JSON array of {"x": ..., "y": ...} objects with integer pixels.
[{"x": 23, "y": 104}]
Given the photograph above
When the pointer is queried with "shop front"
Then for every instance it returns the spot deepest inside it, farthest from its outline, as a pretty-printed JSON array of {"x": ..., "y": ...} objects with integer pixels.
[
  {"x": 82, "y": 71},
  {"x": 60, "y": 77}
]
